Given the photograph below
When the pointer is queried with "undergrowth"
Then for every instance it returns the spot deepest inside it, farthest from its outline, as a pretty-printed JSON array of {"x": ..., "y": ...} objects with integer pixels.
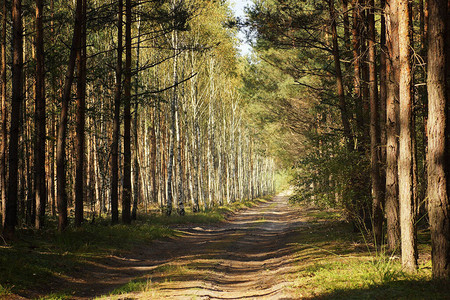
[{"x": 333, "y": 262}]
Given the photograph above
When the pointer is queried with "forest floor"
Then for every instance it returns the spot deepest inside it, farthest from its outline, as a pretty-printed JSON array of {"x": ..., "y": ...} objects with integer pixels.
[
  {"x": 274, "y": 250},
  {"x": 248, "y": 256}
]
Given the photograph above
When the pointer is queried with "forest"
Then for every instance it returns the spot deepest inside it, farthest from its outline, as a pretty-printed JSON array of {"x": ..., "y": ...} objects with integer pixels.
[
  {"x": 123, "y": 103},
  {"x": 132, "y": 121},
  {"x": 369, "y": 114}
]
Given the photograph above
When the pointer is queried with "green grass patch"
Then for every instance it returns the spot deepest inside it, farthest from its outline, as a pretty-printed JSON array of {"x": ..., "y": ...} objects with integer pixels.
[
  {"x": 333, "y": 262},
  {"x": 37, "y": 258},
  {"x": 141, "y": 285},
  {"x": 5, "y": 290},
  {"x": 164, "y": 273},
  {"x": 211, "y": 215}
]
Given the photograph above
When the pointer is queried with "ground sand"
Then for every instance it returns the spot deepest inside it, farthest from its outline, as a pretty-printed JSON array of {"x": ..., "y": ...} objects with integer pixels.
[{"x": 250, "y": 256}]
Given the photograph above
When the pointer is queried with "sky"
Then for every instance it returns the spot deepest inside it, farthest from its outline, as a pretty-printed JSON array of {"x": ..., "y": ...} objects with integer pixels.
[{"x": 238, "y": 9}]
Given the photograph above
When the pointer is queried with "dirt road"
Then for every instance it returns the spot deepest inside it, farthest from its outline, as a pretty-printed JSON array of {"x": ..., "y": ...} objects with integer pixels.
[{"x": 249, "y": 256}]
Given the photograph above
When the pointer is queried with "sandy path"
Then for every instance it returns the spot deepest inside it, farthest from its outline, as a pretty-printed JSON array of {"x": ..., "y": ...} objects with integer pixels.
[{"x": 249, "y": 256}]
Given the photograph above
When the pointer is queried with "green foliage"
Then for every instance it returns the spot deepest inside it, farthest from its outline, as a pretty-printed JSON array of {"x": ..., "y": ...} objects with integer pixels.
[
  {"x": 283, "y": 180},
  {"x": 275, "y": 107},
  {"x": 292, "y": 89},
  {"x": 332, "y": 176},
  {"x": 5, "y": 290},
  {"x": 293, "y": 82}
]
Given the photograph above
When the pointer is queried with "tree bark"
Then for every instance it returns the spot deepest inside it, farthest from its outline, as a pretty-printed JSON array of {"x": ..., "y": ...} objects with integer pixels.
[
  {"x": 80, "y": 121},
  {"x": 154, "y": 156},
  {"x": 62, "y": 130},
  {"x": 180, "y": 204},
  {"x": 173, "y": 127},
  {"x": 375, "y": 139},
  {"x": 126, "y": 196},
  {"x": 194, "y": 145},
  {"x": 116, "y": 122},
  {"x": 40, "y": 191},
  {"x": 383, "y": 92},
  {"x": 438, "y": 137},
  {"x": 392, "y": 127},
  {"x": 346, "y": 24},
  {"x": 356, "y": 64},
  {"x": 137, "y": 169},
  {"x": 405, "y": 175},
  {"x": 4, "y": 111},
  {"x": 16, "y": 108},
  {"x": 339, "y": 79}
]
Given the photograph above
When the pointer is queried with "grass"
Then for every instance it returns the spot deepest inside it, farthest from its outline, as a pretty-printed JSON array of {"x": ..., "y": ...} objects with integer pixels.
[
  {"x": 212, "y": 215},
  {"x": 145, "y": 284},
  {"x": 36, "y": 258},
  {"x": 36, "y": 262},
  {"x": 5, "y": 290},
  {"x": 333, "y": 262},
  {"x": 142, "y": 284}
]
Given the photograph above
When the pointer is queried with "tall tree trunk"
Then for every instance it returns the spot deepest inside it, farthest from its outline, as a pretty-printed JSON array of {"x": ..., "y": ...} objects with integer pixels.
[
  {"x": 126, "y": 197},
  {"x": 383, "y": 87},
  {"x": 178, "y": 128},
  {"x": 137, "y": 169},
  {"x": 4, "y": 111},
  {"x": 52, "y": 130},
  {"x": 365, "y": 87},
  {"x": 438, "y": 137},
  {"x": 53, "y": 167},
  {"x": 173, "y": 127},
  {"x": 194, "y": 146},
  {"x": 40, "y": 191},
  {"x": 339, "y": 79},
  {"x": 116, "y": 122},
  {"x": 422, "y": 91},
  {"x": 356, "y": 64},
  {"x": 28, "y": 205},
  {"x": 16, "y": 107},
  {"x": 375, "y": 159},
  {"x": 382, "y": 103},
  {"x": 392, "y": 127},
  {"x": 62, "y": 130},
  {"x": 211, "y": 134},
  {"x": 155, "y": 155},
  {"x": 180, "y": 204},
  {"x": 80, "y": 122},
  {"x": 405, "y": 176},
  {"x": 346, "y": 24}
]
